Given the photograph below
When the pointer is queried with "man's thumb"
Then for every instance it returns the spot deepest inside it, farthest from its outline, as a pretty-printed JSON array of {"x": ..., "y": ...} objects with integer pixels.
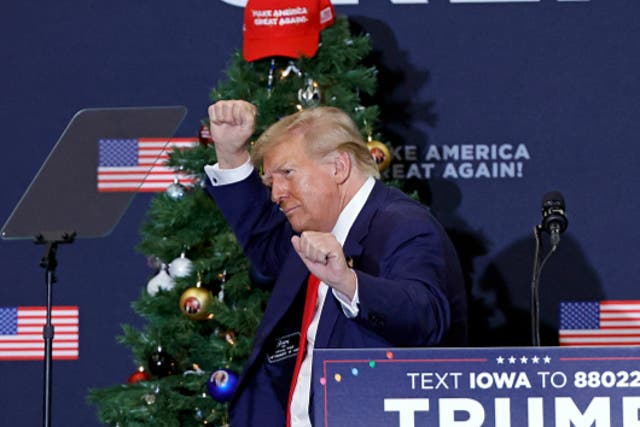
[{"x": 295, "y": 241}]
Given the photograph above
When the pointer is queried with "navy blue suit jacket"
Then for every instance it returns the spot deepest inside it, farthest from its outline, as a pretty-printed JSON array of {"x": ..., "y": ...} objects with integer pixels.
[{"x": 410, "y": 287}]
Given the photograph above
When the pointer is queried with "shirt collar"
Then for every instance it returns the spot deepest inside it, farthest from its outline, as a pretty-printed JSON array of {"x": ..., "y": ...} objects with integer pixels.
[{"x": 351, "y": 210}]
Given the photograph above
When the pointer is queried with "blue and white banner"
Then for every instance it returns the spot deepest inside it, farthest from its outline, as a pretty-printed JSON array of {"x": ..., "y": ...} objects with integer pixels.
[{"x": 474, "y": 387}]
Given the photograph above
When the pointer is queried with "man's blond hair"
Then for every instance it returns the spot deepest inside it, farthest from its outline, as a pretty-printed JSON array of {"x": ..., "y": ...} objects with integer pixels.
[{"x": 324, "y": 130}]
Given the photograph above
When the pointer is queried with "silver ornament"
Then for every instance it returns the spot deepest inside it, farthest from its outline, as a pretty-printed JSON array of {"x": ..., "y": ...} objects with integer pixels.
[
  {"x": 162, "y": 280},
  {"x": 176, "y": 190},
  {"x": 180, "y": 267},
  {"x": 309, "y": 96},
  {"x": 291, "y": 68}
]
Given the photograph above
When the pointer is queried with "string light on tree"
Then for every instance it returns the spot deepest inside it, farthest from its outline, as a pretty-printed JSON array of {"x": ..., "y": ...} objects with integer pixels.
[
  {"x": 272, "y": 68},
  {"x": 195, "y": 371},
  {"x": 222, "y": 278},
  {"x": 229, "y": 336}
]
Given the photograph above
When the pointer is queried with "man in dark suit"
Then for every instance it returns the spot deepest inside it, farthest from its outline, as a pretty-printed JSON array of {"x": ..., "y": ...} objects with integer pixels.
[{"x": 389, "y": 276}]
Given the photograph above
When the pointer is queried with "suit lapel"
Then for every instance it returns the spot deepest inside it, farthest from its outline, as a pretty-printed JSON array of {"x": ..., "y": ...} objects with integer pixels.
[{"x": 352, "y": 249}]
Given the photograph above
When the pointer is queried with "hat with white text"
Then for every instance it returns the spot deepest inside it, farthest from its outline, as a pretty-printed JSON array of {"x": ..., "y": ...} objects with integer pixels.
[{"x": 288, "y": 28}]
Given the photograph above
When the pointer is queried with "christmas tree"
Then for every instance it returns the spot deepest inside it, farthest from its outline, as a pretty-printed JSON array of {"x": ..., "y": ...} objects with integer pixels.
[{"x": 203, "y": 307}]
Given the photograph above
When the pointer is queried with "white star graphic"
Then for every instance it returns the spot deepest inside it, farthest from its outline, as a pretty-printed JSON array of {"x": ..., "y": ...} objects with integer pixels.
[
  {"x": 524, "y": 360},
  {"x": 512, "y": 360},
  {"x": 500, "y": 360},
  {"x": 535, "y": 359},
  {"x": 547, "y": 360}
]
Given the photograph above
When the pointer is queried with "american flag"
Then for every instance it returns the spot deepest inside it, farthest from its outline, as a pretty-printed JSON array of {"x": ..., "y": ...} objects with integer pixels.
[
  {"x": 129, "y": 165},
  {"x": 21, "y": 332},
  {"x": 600, "y": 323}
]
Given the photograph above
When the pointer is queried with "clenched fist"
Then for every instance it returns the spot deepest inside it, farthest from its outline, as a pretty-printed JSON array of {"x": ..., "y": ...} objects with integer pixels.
[
  {"x": 323, "y": 256},
  {"x": 231, "y": 125}
]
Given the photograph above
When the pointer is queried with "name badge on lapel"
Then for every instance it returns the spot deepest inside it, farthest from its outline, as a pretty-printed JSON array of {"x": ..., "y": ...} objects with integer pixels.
[{"x": 283, "y": 347}]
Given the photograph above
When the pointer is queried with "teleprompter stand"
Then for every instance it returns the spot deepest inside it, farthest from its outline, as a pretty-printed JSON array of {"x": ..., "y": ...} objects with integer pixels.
[
  {"x": 49, "y": 263},
  {"x": 63, "y": 203}
]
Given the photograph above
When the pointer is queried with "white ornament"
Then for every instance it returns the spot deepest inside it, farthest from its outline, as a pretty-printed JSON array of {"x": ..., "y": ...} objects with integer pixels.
[
  {"x": 176, "y": 190},
  {"x": 162, "y": 280},
  {"x": 180, "y": 267}
]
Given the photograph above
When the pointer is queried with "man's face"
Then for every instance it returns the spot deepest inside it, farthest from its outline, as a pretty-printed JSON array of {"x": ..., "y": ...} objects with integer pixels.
[{"x": 305, "y": 189}]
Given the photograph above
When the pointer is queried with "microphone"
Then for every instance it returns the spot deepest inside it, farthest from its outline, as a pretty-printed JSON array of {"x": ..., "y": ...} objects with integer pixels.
[{"x": 554, "y": 220}]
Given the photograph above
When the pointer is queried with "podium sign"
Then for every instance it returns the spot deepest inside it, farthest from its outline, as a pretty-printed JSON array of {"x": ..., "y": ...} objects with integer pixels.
[{"x": 473, "y": 387}]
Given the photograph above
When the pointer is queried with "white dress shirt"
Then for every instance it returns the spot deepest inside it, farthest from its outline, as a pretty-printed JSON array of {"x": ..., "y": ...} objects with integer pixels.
[{"x": 300, "y": 400}]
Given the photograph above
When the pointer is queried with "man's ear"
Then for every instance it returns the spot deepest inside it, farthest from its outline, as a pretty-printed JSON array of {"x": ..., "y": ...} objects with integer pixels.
[{"x": 342, "y": 166}]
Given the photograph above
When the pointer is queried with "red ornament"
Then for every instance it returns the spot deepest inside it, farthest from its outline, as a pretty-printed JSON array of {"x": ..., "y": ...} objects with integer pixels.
[
  {"x": 205, "y": 136},
  {"x": 139, "y": 375}
]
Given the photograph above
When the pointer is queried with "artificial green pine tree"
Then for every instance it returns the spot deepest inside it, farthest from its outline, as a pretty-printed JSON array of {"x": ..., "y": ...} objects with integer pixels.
[{"x": 176, "y": 393}]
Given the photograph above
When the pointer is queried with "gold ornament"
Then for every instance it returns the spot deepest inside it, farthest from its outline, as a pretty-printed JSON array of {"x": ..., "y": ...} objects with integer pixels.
[
  {"x": 195, "y": 302},
  {"x": 380, "y": 153}
]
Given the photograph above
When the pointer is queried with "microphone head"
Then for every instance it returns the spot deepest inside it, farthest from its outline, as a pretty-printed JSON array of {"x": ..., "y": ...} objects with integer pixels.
[
  {"x": 553, "y": 211},
  {"x": 552, "y": 199}
]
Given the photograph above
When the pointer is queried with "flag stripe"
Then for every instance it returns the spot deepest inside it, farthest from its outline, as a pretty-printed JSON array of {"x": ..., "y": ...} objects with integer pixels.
[
  {"x": 606, "y": 332},
  {"x": 613, "y": 322},
  {"x": 38, "y": 355},
  {"x": 35, "y": 345},
  {"x": 118, "y": 172},
  {"x": 42, "y": 321},
  {"x": 21, "y": 333},
  {"x": 38, "y": 337},
  {"x": 38, "y": 329}
]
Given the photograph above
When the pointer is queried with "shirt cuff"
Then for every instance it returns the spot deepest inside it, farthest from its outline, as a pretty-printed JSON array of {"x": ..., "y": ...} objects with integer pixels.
[
  {"x": 219, "y": 176},
  {"x": 350, "y": 308}
]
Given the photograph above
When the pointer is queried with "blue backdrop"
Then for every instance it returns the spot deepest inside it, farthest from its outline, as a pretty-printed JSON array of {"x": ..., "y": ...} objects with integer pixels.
[{"x": 497, "y": 103}]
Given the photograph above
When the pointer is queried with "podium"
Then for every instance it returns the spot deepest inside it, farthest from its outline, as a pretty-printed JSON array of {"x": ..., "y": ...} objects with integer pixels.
[
  {"x": 474, "y": 387},
  {"x": 63, "y": 203}
]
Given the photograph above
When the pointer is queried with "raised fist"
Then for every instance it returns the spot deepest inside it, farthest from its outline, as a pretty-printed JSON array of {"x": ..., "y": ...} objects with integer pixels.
[{"x": 231, "y": 125}]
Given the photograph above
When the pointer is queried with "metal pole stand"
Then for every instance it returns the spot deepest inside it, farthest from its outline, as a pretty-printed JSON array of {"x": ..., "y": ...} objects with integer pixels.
[{"x": 51, "y": 240}]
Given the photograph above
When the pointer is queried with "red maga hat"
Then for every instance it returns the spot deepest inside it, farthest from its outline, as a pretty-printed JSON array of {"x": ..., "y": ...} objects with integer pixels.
[{"x": 284, "y": 27}]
